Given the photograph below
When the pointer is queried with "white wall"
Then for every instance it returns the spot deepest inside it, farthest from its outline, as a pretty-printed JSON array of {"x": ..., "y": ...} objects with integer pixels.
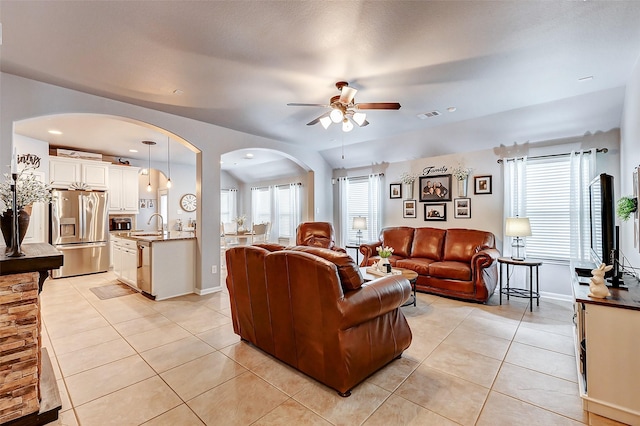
[
  {"x": 23, "y": 98},
  {"x": 630, "y": 159}
]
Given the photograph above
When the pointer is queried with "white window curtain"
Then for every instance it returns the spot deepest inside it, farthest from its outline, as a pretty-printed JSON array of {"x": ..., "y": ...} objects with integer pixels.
[
  {"x": 343, "y": 200},
  {"x": 228, "y": 204},
  {"x": 582, "y": 169},
  {"x": 261, "y": 205},
  {"x": 514, "y": 193},
  {"x": 375, "y": 203}
]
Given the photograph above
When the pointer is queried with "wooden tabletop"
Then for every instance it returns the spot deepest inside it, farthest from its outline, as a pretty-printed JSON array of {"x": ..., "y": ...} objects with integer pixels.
[
  {"x": 406, "y": 273},
  {"x": 525, "y": 262},
  {"x": 38, "y": 257}
]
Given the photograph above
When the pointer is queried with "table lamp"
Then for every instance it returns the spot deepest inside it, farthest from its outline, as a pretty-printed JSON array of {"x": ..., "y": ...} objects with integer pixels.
[
  {"x": 518, "y": 227},
  {"x": 359, "y": 223}
]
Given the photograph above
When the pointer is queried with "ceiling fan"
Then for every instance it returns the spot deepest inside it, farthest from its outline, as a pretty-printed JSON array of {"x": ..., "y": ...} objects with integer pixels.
[{"x": 344, "y": 109}]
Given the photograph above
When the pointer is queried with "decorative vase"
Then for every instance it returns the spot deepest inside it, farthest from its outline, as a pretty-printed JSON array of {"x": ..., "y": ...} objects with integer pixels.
[
  {"x": 462, "y": 187},
  {"x": 408, "y": 190},
  {"x": 382, "y": 265},
  {"x": 6, "y": 223}
]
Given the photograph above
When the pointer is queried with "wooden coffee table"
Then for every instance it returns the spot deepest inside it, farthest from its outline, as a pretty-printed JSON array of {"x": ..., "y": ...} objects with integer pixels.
[{"x": 410, "y": 275}]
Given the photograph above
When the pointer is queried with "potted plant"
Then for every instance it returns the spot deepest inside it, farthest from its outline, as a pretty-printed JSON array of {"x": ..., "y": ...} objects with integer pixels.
[
  {"x": 408, "y": 179},
  {"x": 461, "y": 174},
  {"x": 29, "y": 190},
  {"x": 625, "y": 207},
  {"x": 384, "y": 253}
]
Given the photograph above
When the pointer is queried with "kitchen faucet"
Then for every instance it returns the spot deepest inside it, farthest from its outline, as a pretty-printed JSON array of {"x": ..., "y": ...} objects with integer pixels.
[{"x": 161, "y": 221}]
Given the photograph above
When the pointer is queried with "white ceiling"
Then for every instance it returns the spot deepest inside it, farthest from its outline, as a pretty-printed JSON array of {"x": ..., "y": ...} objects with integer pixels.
[{"x": 510, "y": 68}]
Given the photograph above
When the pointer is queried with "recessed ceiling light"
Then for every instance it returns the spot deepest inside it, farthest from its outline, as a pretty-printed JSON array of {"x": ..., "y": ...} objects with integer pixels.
[
  {"x": 587, "y": 78},
  {"x": 55, "y": 132},
  {"x": 452, "y": 109},
  {"x": 133, "y": 150},
  {"x": 221, "y": 162},
  {"x": 248, "y": 155}
]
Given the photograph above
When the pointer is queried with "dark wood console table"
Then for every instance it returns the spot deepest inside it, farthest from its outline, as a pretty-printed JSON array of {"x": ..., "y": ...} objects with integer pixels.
[{"x": 37, "y": 398}]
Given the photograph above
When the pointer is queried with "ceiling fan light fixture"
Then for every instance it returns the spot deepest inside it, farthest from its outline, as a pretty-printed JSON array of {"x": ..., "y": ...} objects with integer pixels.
[
  {"x": 359, "y": 118},
  {"x": 347, "y": 125},
  {"x": 326, "y": 122},
  {"x": 336, "y": 115}
]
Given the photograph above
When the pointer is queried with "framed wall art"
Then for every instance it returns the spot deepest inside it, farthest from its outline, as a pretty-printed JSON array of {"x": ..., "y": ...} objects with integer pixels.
[
  {"x": 462, "y": 208},
  {"x": 409, "y": 209},
  {"x": 395, "y": 190},
  {"x": 435, "y": 211},
  {"x": 482, "y": 184},
  {"x": 435, "y": 188}
]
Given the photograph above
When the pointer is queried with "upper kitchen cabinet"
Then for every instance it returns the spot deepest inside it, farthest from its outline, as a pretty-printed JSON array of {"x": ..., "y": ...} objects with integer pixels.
[
  {"x": 64, "y": 172},
  {"x": 123, "y": 189}
]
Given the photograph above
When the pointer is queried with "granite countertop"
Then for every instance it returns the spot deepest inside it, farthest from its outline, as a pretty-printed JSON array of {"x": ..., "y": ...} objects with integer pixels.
[{"x": 155, "y": 237}]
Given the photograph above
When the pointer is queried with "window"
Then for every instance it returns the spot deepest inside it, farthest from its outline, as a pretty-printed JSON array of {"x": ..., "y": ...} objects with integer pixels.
[
  {"x": 360, "y": 196},
  {"x": 261, "y": 205},
  {"x": 280, "y": 205},
  {"x": 228, "y": 202},
  {"x": 553, "y": 192}
]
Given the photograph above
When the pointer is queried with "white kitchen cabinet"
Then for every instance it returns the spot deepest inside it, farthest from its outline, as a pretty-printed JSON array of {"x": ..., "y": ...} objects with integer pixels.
[
  {"x": 123, "y": 189},
  {"x": 63, "y": 172},
  {"x": 125, "y": 260}
]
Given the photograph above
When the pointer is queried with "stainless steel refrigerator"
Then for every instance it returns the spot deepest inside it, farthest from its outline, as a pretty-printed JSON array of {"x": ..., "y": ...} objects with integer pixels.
[{"x": 80, "y": 230}]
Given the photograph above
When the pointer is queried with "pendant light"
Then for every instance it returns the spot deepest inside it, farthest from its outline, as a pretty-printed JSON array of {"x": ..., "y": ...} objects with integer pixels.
[
  {"x": 149, "y": 143},
  {"x": 168, "y": 163}
]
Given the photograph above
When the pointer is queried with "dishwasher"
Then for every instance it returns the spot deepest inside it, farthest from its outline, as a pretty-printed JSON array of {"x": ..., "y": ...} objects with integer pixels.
[{"x": 144, "y": 267}]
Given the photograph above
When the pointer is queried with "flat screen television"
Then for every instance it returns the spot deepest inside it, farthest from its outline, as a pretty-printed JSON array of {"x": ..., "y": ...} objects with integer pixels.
[{"x": 604, "y": 244}]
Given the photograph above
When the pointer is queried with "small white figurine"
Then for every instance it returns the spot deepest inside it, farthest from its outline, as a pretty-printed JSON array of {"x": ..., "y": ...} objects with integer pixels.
[{"x": 596, "y": 286}]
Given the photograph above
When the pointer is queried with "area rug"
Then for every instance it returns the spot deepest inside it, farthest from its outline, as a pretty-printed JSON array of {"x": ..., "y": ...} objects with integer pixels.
[{"x": 112, "y": 290}]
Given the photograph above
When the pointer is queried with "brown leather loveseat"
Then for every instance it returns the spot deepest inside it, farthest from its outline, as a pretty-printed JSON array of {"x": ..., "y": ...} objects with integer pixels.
[
  {"x": 308, "y": 307},
  {"x": 460, "y": 263}
]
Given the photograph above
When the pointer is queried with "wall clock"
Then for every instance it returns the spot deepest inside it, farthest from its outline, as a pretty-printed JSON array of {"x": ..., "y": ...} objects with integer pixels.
[{"x": 188, "y": 202}]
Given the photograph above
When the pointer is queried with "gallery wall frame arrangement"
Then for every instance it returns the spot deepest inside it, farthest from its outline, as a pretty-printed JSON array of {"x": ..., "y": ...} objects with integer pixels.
[
  {"x": 409, "y": 209},
  {"x": 395, "y": 190},
  {"x": 482, "y": 184},
  {"x": 435, "y": 212},
  {"x": 435, "y": 188},
  {"x": 462, "y": 208}
]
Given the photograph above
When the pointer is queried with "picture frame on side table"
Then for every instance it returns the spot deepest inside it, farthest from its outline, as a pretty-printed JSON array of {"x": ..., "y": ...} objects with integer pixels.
[
  {"x": 482, "y": 184},
  {"x": 409, "y": 209},
  {"x": 462, "y": 208},
  {"x": 435, "y": 211},
  {"x": 435, "y": 188},
  {"x": 395, "y": 190}
]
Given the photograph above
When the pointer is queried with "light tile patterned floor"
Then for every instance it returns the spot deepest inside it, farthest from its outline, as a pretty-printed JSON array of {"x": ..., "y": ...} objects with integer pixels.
[{"x": 131, "y": 361}]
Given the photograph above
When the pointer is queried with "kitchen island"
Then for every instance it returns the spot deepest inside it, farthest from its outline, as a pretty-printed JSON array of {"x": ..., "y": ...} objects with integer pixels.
[{"x": 160, "y": 265}]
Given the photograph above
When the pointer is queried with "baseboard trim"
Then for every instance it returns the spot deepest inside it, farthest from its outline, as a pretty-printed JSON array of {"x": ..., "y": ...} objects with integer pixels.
[
  {"x": 202, "y": 292},
  {"x": 556, "y": 296}
]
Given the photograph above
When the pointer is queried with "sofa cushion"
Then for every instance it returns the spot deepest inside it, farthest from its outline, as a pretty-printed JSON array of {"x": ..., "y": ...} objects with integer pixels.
[
  {"x": 417, "y": 264},
  {"x": 461, "y": 244},
  {"x": 451, "y": 270},
  {"x": 270, "y": 246},
  {"x": 400, "y": 238},
  {"x": 428, "y": 242},
  {"x": 348, "y": 271}
]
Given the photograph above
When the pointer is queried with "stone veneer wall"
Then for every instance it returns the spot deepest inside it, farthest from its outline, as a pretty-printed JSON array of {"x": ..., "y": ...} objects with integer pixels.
[{"x": 19, "y": 346}]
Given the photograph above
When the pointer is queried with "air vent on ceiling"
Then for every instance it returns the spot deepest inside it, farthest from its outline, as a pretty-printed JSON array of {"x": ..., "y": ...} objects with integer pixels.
[{"x": 429, "y": 114}]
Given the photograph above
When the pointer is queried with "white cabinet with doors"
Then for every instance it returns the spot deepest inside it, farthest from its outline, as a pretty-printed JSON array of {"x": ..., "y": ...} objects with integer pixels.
[
  {"x": 125, "y": 260},
  {"x": 63, "y": 172},
  {"x": 123, "y": 189}
]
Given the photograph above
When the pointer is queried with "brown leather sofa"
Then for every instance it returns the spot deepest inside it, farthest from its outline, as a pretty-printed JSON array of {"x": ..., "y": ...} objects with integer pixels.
[
  {"x": 309, "y": 308},
  {"x": 460, "y": 263}
]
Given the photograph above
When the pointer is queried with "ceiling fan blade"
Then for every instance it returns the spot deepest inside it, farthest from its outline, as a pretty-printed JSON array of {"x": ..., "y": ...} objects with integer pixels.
[
  {"x": 364, "y": 123},
  {"x": 317, "y": 120},
  {"x": 347, "y": 94},
  {"x": 311, "y": 105},
  {"x": 378, "y": 105}
]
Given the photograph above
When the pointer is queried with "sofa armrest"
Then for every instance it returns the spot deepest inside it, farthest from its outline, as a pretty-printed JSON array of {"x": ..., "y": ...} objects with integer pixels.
[
  {"x": 338, "y": 249},
  {"x": 372, "y": 300},
  {"x": 368, "y": 250},
  {"x": 484, "y": 258}
]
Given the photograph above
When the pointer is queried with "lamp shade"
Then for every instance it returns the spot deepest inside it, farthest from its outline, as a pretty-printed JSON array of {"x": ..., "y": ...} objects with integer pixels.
[
  {"x": 518, "y": 227},
  {"x": 336, "y": 115},
  {"x": 359, "y": 222}
]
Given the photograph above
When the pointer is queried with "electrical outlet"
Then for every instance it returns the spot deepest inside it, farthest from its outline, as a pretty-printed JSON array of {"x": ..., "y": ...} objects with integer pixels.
[{"x": 214, "y": 269}]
